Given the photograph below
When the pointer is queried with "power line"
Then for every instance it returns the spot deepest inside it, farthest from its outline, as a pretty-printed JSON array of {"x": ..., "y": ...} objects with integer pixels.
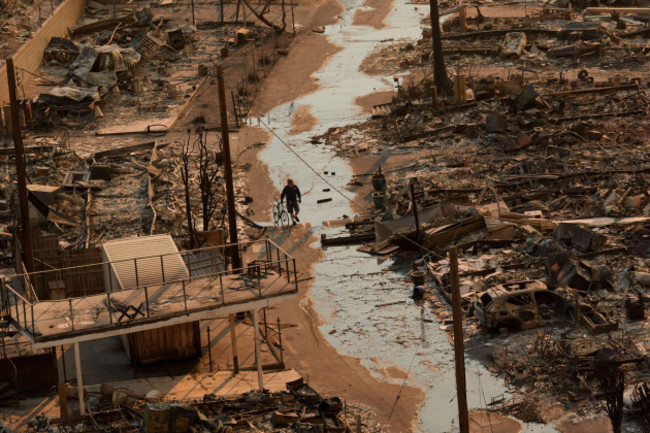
[{"x": 362, "y": 208}]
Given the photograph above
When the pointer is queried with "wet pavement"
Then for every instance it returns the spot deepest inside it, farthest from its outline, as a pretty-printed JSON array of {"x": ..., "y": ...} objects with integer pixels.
[{"x": 349, "y": 284}]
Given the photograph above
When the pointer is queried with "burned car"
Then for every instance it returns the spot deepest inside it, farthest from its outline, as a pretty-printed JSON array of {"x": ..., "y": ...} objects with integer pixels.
[{"x": 522, "y": 305}]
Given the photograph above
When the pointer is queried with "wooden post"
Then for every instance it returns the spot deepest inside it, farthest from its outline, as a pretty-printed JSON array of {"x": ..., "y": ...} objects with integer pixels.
[
  {"x": 258, "y": 354},
  {"x": 209, "y": 348},
  {"x": 415, "y": 212},
  {"x": 80, "y": 381},
  {"x": 63, "y": 401},
  {"x": 462, "y": 15},
  {"x": 230, "y": 192},
  {"x": 193, "y": 17},
  {"x": 20, "y": 170},
  {"x": 221, "y": 19},
  {"x": 233, "y": 338},
  {"x": 434, "y": 94},
  {"x": 461, "y": 391},
  {"x": 460, "y": 89}
]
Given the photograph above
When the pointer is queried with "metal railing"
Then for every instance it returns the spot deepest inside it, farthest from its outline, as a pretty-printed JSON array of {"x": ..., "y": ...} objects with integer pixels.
[{"x": 157, "y": 287}]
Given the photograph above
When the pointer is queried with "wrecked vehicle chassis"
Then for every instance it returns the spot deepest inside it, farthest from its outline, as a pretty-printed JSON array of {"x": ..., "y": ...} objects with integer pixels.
[{"x": 522, "y": 305}]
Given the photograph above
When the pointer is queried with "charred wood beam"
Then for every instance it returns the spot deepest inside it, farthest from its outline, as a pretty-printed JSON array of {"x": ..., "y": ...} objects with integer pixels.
[{"x": 501, "y": 32}]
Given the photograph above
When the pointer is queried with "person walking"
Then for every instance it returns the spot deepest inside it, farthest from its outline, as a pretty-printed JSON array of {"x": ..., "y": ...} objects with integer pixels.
[{"x": 292, "y": 193}]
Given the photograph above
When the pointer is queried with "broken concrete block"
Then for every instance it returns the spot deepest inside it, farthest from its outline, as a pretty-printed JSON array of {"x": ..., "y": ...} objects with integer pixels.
[
  {"x": 565, "y": 231},
  {"x": 586, "y": 240},
  {"x": 635, "y": 310},
  {"x": 513, "y": 44},
  {"x": 496, "y": 123},
  {"x": 526, "y": 99}
]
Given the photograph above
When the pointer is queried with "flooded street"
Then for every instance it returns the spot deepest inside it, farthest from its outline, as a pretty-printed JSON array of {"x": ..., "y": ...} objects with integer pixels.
[{"x": 391, "y": 340}]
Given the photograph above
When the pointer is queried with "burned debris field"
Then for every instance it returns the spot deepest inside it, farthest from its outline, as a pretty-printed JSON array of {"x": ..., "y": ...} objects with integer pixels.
[{"x": 470, "y": 250}]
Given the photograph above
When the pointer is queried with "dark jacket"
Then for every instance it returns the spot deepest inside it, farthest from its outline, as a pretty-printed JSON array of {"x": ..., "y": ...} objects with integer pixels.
[{"x": 291, "y": 192}]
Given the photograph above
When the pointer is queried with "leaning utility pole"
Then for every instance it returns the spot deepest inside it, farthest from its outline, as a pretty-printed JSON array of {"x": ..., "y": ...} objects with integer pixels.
[
  {"x": 459, "y": 351},
  {"x": 20, "y": 170},
  {"x": 440, "y": 78},
  {"x": 227, "y": 165}
]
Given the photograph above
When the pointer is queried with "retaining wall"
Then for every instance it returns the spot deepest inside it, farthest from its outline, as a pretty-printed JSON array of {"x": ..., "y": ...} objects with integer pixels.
[{"x": 30, "y": 55}]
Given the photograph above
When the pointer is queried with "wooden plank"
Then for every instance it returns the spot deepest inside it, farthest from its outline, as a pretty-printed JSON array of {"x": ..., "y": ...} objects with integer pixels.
[
  {"x": 345, "y": 240},
  {"x": 619, "y": 11}
]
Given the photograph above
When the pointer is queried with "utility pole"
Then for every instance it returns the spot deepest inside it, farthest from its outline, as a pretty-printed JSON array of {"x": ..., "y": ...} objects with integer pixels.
[
  {"x": 20, "y": 170},
  {"x": 459, "y": 351},
  {"x": 230, "y": 193},
  {"x": 440, "y": 78}
]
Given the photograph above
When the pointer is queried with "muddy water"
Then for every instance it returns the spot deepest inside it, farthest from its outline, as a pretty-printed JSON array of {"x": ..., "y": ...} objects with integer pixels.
[{"x": 389, "y": 340}]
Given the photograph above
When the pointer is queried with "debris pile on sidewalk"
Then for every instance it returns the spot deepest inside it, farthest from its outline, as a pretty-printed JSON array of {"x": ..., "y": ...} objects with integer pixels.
[{"x": 299, "y": 410}]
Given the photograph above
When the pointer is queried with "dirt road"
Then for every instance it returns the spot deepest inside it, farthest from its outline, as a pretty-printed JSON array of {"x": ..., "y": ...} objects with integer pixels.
[{"x": 308, "y": 352}]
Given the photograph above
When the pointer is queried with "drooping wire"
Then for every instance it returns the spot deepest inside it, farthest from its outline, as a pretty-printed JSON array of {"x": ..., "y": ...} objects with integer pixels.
[
  {"x": 361, "y": 207},
  {"x": 399, "y": 393}
]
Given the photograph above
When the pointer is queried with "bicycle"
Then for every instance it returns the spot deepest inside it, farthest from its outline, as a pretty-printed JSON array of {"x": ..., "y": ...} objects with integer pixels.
[{"x": 280, "y": 214}]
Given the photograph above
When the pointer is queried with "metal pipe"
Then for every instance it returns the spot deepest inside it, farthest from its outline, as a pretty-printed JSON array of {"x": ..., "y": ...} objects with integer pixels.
[
  {"x": 162, "y": 268},
  {"x": 209, "y": 348},
  {"x": 135, "y": 267},
  {"x": 295, "y": 274},
  {"x": 258, "y": 355},
  {"x": 223, "y": 297},
  {"x": 146, "y": 299},
  {"x": 184, "y": 296},
  {"x": 286, "y": 261}
]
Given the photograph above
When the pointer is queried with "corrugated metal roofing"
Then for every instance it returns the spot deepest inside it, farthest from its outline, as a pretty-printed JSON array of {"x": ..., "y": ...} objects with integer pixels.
[{"x": 122, "y": 252}]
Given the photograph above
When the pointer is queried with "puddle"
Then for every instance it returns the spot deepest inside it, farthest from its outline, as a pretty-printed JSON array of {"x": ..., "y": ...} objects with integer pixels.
[{"x": 349, "y": 284}]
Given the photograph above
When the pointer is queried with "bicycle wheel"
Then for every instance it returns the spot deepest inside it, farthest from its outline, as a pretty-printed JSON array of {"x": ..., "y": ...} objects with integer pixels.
[
  {"x": 284, "y": 218},
  {"x": 277, "y": 214}
]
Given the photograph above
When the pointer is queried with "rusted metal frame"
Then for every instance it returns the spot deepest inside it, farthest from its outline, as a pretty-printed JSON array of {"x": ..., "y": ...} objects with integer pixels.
[{"x": 295, "y": 274}]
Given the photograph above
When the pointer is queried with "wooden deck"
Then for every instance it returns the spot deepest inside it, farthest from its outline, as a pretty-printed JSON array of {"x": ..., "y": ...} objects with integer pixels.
[{"x": 88, "y": 318}]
